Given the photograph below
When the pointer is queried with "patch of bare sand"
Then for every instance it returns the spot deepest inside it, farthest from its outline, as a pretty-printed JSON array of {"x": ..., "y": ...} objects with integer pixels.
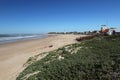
[{"x": 14, "y": 55}]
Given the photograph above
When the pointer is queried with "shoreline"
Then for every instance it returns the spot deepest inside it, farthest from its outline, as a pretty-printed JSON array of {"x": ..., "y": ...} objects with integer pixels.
[
  {"x": 26, "y": 38},
  {"x": 14, "y": 55}
]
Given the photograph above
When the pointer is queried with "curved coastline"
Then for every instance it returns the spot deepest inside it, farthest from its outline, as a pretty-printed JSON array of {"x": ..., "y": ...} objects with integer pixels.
[{"x": 14, "y": 55}]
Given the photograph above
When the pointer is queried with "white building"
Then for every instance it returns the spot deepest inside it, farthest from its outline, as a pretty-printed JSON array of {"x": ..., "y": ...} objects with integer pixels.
[{"x": 111, "y": 31}]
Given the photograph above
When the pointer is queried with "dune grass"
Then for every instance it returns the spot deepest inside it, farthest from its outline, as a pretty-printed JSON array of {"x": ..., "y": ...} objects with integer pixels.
[{"x": 94, "y": 59}]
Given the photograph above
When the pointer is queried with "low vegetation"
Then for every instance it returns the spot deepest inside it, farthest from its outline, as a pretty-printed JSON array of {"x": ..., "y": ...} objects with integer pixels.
[{"x": 94, "y": 59}]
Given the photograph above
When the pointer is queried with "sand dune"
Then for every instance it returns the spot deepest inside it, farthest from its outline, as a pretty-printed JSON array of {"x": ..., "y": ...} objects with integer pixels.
[{"x": 14, "y": 55}]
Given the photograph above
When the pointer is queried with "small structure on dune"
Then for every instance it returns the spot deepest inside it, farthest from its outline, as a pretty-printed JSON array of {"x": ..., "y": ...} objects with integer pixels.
[{"x": 108, "y": 31}]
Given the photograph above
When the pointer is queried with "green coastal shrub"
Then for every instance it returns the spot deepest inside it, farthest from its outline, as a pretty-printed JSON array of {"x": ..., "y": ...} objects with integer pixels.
[{"x": 95, "y": 59}]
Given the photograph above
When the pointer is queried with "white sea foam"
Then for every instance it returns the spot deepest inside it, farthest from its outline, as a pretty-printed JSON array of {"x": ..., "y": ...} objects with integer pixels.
[{"x": 19, "y": 37}]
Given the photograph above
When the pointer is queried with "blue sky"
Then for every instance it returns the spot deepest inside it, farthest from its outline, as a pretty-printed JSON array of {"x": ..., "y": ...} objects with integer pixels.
[{"x": 41, "y": 16}]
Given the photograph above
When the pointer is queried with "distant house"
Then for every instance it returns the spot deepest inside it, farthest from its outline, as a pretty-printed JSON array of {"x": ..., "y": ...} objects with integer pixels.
[
  {"x": 104, "y": 29},
  {"x": 111, "y": 31},
  {"x": 108, "y": 31}
]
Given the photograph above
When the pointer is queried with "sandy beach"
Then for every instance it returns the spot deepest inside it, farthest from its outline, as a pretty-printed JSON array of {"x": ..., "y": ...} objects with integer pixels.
[{"x": 14, "y": 55}]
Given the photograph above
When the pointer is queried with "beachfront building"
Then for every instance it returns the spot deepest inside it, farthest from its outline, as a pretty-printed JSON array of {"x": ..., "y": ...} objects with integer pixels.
[
  {"x": 108, "y": 31},
  {"x": 111, "y": 31}
]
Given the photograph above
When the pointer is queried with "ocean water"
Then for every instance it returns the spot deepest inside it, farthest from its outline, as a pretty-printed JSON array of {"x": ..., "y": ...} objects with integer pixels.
[{"x": 8, "y": 38}]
